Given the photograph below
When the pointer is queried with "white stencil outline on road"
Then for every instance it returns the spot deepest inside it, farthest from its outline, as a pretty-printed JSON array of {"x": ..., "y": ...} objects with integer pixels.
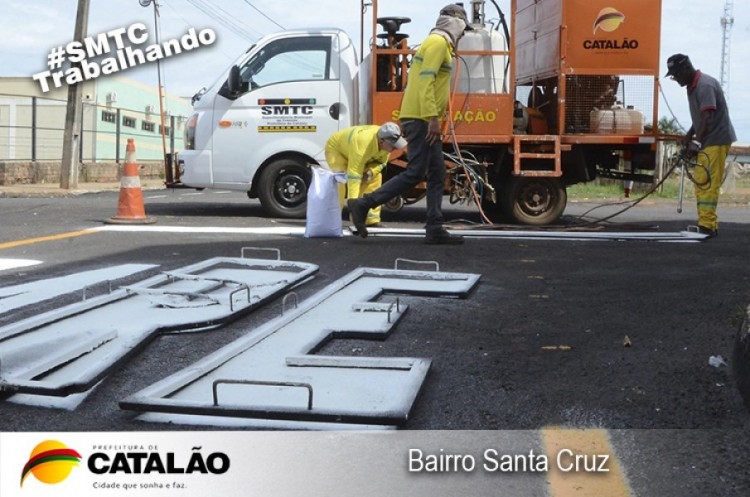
[
  {"x": 16, "y": 296},
  {"x": 68, "y": 350},
  {"x": 271, "y": 373}
]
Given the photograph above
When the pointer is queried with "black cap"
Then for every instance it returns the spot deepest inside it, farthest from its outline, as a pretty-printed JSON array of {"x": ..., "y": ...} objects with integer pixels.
[
  {"x": 676, "y": 63},
  {"x": 455, "y": 10}
]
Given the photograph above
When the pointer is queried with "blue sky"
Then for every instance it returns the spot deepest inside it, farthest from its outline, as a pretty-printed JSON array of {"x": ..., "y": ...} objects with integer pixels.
[{"x": 32, "y": 27}]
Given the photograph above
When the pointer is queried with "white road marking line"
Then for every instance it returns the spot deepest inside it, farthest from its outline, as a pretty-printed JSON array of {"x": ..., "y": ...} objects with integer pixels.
[
  {"x": 15, "y": 263},
  {"x": 671, "y": 237},
  {"x": 279, "y": 230}
]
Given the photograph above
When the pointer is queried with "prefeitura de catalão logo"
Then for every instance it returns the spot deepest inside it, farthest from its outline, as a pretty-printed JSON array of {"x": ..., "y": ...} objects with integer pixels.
[{"x": 51, "y": 462}]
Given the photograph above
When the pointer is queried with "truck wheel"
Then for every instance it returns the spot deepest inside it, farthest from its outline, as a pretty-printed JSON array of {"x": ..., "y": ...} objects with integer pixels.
[
  {"x": 534, "y": 201},
  {"x": 282, "y": 188},
  {"x": 394, "y": 205}
]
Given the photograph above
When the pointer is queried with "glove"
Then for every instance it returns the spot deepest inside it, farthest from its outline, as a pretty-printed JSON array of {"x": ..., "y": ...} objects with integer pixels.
[
  {"x": 370, "y": 173},
  {"x": 691, "y": 148}
]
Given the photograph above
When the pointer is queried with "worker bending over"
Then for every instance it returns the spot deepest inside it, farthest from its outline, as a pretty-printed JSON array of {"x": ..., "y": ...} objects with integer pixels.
[{"x": 362, "y": 153}]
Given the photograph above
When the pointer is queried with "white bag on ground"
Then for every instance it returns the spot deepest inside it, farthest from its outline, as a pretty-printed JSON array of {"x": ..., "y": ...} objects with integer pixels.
[{"x": 323, "y": 208}]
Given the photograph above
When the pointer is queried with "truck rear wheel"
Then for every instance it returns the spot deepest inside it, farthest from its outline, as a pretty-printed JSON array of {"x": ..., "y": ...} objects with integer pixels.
[
  {"x": 534, "y": 201},
  {"x": 394, "y": 205},
  {"x": 282, "y": 188}
]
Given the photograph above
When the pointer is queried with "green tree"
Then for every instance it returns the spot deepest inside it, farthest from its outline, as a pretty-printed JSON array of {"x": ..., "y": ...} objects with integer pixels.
[{"x": 669, "y": 126}]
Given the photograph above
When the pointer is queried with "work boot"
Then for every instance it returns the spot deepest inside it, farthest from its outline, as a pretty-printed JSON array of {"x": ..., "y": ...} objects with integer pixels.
[
  {"x": 442, "y": 237},
  {"x": 358, "y": 215},
  {"x": 704, "y": 231}
]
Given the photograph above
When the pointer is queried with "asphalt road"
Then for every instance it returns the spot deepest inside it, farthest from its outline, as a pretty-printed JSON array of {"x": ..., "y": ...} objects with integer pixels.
[{"x": 541, "y": 342}]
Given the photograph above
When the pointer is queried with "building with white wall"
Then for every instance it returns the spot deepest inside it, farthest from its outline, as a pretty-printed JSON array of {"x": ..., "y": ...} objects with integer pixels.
[{"x": 115, "y": 108}]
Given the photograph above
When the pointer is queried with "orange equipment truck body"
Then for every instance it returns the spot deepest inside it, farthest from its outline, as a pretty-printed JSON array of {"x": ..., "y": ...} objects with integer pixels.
[{"x": 566, "y": 93}]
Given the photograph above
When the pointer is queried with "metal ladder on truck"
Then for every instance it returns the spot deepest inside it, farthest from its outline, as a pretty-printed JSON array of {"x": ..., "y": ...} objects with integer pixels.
[{"x": 537, "y": 147}]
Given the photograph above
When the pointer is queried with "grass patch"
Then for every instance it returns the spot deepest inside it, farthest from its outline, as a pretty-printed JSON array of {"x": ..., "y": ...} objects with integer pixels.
[
  {"x": 594, "y": 190},
  {"x": 736, "y": 190}
]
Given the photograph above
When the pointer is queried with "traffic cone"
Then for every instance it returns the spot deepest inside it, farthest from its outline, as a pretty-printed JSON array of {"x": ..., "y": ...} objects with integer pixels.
[{"x": 130, "y": 206}]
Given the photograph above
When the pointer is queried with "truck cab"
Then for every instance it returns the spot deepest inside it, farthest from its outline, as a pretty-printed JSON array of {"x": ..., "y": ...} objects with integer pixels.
[{"x": 261, "y": 124}]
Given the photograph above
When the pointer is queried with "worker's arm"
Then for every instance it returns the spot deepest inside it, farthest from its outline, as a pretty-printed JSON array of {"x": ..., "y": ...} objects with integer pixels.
[
  {"x": 354, "y": 172},
  {"x": 433, "y": 60},
  {"x": 376, "y": 165},
  {"x": 688, "y": 137},
  {"x": 364, "y": 157},
  {"x": 707, "y": 116},
  {"x": 706, "y": 97},
  {"x": 373, "y": 169}
]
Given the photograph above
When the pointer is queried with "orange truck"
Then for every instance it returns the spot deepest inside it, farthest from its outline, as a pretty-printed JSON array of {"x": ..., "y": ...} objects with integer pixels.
[
  {"x": 563, "y": 93},
  {"x": 566, "y": 93}
]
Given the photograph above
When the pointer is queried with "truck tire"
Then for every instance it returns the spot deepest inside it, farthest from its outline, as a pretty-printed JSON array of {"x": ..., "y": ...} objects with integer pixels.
[
  {"x": 534, "y": 201},
  {"x": 394, "y": 205},
  {"x": 282, "y": 188}
]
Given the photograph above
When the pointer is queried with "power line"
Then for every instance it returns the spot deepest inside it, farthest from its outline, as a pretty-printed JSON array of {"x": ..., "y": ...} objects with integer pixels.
[
  {"x": 227, "y": 22},
  {"x": 264, "y": 14},
  {"x": 190, "y": 24},
  {"x": 233, "y": 17},
  {"x": 230, "y": 20}
]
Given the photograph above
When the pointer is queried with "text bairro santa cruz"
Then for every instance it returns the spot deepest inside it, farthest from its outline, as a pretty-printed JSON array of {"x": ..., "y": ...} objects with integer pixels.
[{"x": 494, "y": 461}]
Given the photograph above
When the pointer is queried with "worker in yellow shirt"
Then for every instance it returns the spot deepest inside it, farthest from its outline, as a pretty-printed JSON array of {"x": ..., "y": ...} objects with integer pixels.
[
  {"x": 362, "y": 153},
  {"x": 422, "y": 108}
]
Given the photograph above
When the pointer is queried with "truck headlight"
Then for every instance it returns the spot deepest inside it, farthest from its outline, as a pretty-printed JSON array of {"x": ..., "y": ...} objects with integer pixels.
[{"x": 190, "y": 132}]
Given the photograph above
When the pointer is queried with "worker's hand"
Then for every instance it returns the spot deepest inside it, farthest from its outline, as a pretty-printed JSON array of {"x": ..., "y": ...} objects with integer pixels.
[
  {"x": 369, "y": 174},
  {"x": 692, "y": 148},
  {"x": 433, "y": 130}
]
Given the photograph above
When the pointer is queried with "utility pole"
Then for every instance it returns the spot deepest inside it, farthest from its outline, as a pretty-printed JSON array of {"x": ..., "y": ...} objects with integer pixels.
[
  {"x": 72, "y": 136},
  {"x": 146, "y": 3},
  {"x": 727, "y": 21}
]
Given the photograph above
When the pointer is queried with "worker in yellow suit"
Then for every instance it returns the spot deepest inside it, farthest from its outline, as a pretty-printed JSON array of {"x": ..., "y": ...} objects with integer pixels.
[
  {"x": 708, "y": 140},
  {"x": 362, "y": 153}
]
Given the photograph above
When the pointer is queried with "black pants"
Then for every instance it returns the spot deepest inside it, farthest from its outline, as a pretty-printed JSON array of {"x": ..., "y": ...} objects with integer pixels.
[{"x": 424, "y": 160}]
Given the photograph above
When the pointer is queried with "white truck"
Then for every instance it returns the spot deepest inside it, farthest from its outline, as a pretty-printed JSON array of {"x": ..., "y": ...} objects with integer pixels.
[
  {"x": 566, "y": 93},
  {"x": 260, "y": 125}
]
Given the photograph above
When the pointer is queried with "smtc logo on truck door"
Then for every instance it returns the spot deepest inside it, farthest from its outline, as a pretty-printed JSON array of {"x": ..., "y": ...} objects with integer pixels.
[{"x": 286, "y": 115}]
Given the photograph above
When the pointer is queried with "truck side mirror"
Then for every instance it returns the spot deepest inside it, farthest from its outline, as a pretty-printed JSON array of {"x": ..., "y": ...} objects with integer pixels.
[{"x": 234, "y": 82}]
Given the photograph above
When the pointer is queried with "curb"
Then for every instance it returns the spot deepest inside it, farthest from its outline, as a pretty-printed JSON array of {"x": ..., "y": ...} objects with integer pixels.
[
  {"x": 741, "y": 362},
  {"x": 49, "y": 190}
]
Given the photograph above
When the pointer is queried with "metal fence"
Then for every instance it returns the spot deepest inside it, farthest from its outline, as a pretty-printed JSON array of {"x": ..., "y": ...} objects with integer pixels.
[{"x": 31, "y": 129}]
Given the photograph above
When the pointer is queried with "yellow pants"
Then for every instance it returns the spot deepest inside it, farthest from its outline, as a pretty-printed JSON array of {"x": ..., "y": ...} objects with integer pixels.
[
  {"x": 708, "y": 178},
  {"x": 338, "y": 163}
]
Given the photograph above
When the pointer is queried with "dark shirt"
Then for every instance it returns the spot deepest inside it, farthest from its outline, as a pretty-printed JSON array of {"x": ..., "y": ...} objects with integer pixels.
[{"x": 705, "y": 94}]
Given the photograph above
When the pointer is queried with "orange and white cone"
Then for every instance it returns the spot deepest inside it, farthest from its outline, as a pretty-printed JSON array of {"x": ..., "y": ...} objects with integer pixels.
[{"x": 130, "y": 208}]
